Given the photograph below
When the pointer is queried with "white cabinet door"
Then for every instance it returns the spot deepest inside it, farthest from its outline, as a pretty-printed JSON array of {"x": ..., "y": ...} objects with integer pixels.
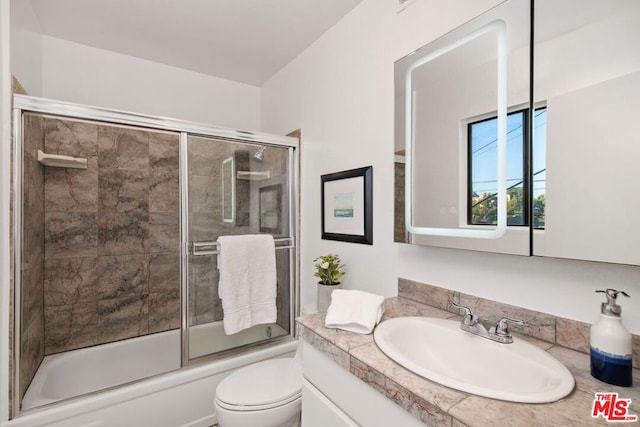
[
  {"x": 319, "y": 411},
  {"x": 362, "y": 404}
]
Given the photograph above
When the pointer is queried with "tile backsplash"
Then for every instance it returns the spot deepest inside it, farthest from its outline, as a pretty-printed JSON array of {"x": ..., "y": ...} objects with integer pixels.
[{"x": 558, "y": 330}]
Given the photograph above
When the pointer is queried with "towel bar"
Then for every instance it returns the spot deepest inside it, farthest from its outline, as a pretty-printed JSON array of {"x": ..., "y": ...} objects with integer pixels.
[{"x": 200, "y": 248}]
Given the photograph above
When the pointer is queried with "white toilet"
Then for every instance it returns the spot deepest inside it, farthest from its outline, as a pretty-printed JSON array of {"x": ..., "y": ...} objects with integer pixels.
[{"x": 265, "y": 394}]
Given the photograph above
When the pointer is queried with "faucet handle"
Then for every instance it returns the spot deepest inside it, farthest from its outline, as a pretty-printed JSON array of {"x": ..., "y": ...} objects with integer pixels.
[
  {"x": 469, "y": 317},
  {"x": 501, "y": 328}
]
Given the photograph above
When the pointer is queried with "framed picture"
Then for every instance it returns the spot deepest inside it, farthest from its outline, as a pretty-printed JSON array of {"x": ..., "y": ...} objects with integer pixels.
[
  {"x": 347, "y": 206},
  {"x": 270, "y": 206}
]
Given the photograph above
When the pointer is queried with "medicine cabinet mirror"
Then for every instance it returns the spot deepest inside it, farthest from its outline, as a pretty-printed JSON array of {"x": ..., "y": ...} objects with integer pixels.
[
  {"x": 587, "y": 75},
  {"x": 571, "y": 150},
  {"x": 228, "y": 183},
  {"x": 235, "y": 188},
  {"x": 461, "y": 114}
]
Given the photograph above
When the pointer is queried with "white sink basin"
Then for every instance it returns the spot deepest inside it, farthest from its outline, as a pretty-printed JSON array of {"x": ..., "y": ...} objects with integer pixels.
[{"x": 439, "y": 350}]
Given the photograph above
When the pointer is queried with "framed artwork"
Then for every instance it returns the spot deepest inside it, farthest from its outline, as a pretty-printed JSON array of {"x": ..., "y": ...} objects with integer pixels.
[
  {"x": 270, "y": 205},
  {"x": 347, "y": 206}
]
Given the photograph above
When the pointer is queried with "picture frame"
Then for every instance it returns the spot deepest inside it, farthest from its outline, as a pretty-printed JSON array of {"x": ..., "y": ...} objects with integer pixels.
[
  {"x": 347, "y": 205},
  {"x": 270, "y": 208}
]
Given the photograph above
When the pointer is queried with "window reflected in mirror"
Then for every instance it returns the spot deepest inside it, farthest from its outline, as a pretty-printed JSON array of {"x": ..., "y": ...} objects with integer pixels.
[{"x": 482, "y": 191}]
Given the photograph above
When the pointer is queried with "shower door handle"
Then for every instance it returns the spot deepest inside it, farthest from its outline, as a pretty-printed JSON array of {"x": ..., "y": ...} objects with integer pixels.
[{"x": 203, "y": 248}]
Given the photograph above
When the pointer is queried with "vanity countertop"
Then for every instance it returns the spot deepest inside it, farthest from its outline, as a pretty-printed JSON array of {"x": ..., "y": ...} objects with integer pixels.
[{"x": 438, "y": 405}]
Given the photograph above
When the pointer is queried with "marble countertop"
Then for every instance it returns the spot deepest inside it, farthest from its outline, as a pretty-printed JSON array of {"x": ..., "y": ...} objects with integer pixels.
[{"x": 438, "y": 405}]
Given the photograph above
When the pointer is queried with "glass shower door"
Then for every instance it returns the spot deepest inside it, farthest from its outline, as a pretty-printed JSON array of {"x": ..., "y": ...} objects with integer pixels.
[{"x": 234, "y": 188}]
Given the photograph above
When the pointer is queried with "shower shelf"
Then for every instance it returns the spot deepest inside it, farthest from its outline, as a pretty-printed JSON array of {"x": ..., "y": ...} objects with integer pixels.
[
  {"x": 254, "y": 176},
  {"x": 58, "y": 161}
]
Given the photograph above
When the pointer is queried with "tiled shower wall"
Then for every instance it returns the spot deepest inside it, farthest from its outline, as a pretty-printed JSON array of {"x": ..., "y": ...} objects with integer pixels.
[
  {"x": 106, "y": 238},
  {"x": 32, "y": 315},
  {"x": 205, "y": 157},
  {"x": 399, "y": 227},
  {"x": 111, "y": 241}
]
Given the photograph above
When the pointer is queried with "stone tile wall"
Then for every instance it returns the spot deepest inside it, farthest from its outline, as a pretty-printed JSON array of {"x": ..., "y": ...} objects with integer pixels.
[
  {"x": 32, "y": 315},
  {"x": 111, "y": 243},
  {"x": 399, "y": 227}
]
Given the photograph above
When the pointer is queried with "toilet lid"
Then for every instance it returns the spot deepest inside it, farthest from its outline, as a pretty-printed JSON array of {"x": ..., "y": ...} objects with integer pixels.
[{"x": 266, "y": 383}]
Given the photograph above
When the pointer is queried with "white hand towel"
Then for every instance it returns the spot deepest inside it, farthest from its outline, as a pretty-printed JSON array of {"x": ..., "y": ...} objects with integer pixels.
[
  {"x": 248, "y": 283},
  {"x": 354, "y": 311}
]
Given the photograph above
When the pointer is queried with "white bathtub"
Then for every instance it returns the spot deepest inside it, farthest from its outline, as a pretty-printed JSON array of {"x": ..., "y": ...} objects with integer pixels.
[
  {"x": 182, "y": 397},
  {"x": 74, "y": 373}
]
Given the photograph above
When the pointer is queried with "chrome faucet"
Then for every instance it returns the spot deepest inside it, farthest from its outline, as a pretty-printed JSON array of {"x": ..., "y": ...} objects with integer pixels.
[{"x": 477, "y": 326}]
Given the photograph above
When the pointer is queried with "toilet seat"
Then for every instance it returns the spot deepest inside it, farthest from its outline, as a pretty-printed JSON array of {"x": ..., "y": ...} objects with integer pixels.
[
  {"x": 248, "y": 408},
  {"x": 264, "y": 385}
]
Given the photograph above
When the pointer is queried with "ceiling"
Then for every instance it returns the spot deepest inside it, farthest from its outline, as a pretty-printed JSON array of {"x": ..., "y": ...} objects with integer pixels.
[{"x": 246, "y": 41}]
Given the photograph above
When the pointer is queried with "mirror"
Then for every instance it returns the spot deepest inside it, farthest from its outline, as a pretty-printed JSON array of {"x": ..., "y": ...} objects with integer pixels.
[
  {"x": 235, "y": 184},
  {"x": 572, "y": 177},
  {"x": 587, "y": 74},
  {"x": 462, "y": 107},
  {"x": 228, "y": 190}
]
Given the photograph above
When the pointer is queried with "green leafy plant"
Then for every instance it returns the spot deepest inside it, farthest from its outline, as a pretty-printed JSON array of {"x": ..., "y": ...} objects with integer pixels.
[{"x": 328, "y": 269}]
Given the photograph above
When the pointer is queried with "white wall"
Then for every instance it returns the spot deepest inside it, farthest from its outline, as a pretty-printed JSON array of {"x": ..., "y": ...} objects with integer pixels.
[
  {"x": 340, "y": 92},
  {"x": 26, "y": 47},
  {"x": 86, "y": 75}
]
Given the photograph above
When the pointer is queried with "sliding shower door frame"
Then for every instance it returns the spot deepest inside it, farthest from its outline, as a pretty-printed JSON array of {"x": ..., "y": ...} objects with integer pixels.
[
  {"x": 15, "y": 395},
  {"x": 66, "y": 110},
  {"x": 184, "y": 249}
]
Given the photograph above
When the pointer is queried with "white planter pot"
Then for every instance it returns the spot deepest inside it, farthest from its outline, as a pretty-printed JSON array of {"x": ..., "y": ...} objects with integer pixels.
[{"x": 324, "y": 296}]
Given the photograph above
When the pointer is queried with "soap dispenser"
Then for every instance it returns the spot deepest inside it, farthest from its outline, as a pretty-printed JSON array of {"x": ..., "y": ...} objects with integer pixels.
[{"x": 611, "y": 344}]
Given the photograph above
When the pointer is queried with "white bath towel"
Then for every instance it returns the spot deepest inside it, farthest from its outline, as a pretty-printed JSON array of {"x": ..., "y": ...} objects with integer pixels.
[
  {"x": 247, "y": 285},
  {"x": 354, "y": 311}
]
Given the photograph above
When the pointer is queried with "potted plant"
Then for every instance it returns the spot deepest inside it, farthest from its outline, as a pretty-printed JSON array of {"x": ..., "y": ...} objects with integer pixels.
[{"x": 329, "y": 271}]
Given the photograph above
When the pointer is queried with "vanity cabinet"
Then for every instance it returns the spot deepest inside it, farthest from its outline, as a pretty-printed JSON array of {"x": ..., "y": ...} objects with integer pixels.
[
  {"x": 319, "y": 411},
  {"x": 331, "y": 396}
]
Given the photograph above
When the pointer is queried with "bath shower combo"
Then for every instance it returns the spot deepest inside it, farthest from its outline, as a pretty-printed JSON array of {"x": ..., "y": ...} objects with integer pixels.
[{"x": 115, "y": 221}]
